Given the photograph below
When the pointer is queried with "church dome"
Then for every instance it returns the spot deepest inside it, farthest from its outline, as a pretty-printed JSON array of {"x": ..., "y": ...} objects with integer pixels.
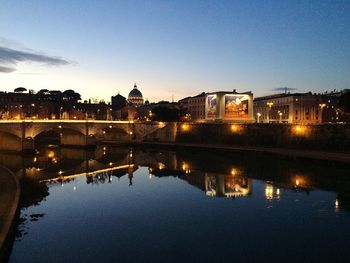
[
  {"x": 135, "y": 97},
  {"x": 135, "y": 92}
]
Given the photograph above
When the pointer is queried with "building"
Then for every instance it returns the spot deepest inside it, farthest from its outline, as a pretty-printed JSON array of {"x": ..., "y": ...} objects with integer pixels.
[
  {"x": 135, "y": 97},
  {"x": 46, "y": 104},
  {"x": 118, "y": 102},
  {"x": 331, "y": 110},
  {"x": 298, "y": 108},
  {"x": 229, "y": 106},
  {"x": 219, "y": 106},
  {"x": 22, "y": 105},
  {"x": 194, "y": 107}
]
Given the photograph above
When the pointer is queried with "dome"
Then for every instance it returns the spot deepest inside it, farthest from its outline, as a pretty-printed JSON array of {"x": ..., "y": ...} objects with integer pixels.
[
  {"x": 135, "y": 93},
  {"x": 135, "y": 97}
]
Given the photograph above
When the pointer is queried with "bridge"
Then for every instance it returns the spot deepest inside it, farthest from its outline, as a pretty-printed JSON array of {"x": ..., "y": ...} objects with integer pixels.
[{"x": 20, "y": 135}]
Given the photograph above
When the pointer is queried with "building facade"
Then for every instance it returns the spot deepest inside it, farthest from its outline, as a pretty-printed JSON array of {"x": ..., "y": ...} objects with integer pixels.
[
  {"x": 298, "y": 108},
  {"x": 194, "y": 107}
]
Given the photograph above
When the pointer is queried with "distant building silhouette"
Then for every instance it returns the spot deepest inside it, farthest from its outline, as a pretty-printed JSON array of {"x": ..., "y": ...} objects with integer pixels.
[{"x": 118, "y": 102}]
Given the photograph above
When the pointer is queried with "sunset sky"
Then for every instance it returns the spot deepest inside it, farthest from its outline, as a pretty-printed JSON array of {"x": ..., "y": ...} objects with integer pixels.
[{"x": 178, "y": 48}]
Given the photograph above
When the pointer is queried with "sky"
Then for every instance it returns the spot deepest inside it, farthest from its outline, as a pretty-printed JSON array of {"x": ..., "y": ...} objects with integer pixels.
[{"x": 174, "y": 48}]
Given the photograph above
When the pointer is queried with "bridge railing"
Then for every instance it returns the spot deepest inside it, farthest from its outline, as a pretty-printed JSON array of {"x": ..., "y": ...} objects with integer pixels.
[{"x": 64, "y": 121}]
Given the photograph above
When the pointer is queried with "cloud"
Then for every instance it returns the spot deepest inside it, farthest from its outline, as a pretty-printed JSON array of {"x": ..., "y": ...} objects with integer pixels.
[
  {"x": 6, "y": 69},
  {"x": 29, "y": 73},
  {"x": 10, "y": 57}
]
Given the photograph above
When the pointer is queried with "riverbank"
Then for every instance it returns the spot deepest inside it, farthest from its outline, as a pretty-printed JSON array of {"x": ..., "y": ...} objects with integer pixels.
[
  {"x": 342, "y": 157},
  {"x": 9, "y": 198}
]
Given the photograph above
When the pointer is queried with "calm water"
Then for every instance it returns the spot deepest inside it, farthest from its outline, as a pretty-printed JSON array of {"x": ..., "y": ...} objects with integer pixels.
[{"x": 137, "y": 205}]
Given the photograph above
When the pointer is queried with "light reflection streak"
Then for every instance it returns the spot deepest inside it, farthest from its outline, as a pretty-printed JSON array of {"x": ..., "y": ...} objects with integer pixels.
[{"x": 88, "y": 173}]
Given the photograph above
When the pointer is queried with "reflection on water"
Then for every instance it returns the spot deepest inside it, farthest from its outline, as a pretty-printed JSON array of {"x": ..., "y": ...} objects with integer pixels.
[{"x": 152, "y": 181}]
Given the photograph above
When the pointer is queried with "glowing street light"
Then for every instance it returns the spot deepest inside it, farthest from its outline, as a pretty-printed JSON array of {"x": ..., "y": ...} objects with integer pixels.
[
  {"x": 258, "y": 114},
  {"x": 235, "y": 128},
  {"x": 322, "y": 105},
  {"x": 185, "y": 127},
  {"x": 280, "y": 114},
  {"x": 270, "y": 104}
]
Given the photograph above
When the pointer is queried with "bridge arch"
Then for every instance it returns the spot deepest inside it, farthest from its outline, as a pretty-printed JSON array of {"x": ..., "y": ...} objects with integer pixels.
[
  {"x": 11, "y": 129},
  {"x": 59, "y": 128},
  {"x": 120, "y": 128},
  {"x": 10, "y": 141}
]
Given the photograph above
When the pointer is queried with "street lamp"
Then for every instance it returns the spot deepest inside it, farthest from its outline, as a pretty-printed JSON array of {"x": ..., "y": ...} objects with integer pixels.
[
  {"x": 110, "y": 116},
  {"x": 258, "y": 114},
  {"x": 61, "y": 112},
  {"x": 270, "y": 105},
  {"x": 21, "y": 112},
  {"x": 32, "y": 110},
  {"x": 280, "y": 114},
  {"x": 322, "y": 105}
]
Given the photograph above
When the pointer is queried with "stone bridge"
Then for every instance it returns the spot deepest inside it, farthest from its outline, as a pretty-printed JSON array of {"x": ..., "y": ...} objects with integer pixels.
[{"x": 19, "y": 135}]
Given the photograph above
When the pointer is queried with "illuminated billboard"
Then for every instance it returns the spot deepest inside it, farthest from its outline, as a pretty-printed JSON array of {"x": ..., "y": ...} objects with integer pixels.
[
  {"x": 211, "y": 106},
  {"x": 236, "y": 106},
  {"x": 236, "y": 186}
]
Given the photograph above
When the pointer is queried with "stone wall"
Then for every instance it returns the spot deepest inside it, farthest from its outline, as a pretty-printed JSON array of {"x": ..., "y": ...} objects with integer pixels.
[{"x": 323, "y": 137}]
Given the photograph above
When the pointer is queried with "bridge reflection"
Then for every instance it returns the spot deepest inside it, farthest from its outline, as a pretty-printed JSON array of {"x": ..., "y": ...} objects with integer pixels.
[{"x": 231, "y": 176}]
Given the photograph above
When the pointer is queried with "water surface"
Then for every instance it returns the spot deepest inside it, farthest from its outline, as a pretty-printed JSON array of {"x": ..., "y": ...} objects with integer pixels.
[{"x": 138, "y": 205}]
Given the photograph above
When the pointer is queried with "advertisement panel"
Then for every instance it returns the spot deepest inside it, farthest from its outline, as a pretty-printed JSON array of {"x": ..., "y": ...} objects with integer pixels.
[
  {"x": 211, "y": 106},
  {"x": 234, "y": 184},
  {"x": 236, "y": 106}
]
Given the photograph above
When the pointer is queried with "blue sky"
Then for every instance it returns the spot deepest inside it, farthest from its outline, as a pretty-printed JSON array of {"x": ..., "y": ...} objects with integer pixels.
[{"x": 175, "y": 48}]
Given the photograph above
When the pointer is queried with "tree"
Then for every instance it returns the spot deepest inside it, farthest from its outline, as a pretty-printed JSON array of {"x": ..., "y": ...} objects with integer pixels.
[
  {"x": 165, "y": 114},
  {"x": 344, "y": 102},
  {"x": 71, "y": 95}
]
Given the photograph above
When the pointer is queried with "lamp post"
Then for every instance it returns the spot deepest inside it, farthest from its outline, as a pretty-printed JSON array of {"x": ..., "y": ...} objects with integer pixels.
[
  {"x": 322, "y": 105},
  {"x": 109, "y": 115},
  {"x": 61, "y": 108},
  {"x": 280, "y": 114},
  {"x": 268, "y": 114},
  {"x": 32, "y": 110},
  {"x": 258, "y": 114}
]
